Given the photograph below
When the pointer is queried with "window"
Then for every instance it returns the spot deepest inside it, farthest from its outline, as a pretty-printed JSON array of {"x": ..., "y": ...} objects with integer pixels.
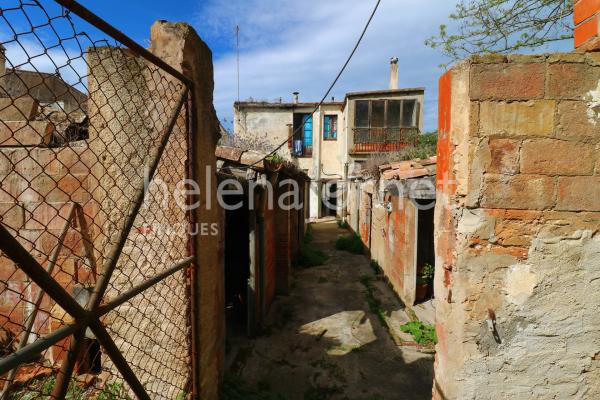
[
  {"x": 378, "y": 114},
  {"x": 408, "y": 112},
  {"x": 303, "y": 134},
  {"x": 393, "y": 117},
  {"x": 330, "y": 127},
  {"x": 385, "y": 113},
  {"x": 361, "y": 117}
]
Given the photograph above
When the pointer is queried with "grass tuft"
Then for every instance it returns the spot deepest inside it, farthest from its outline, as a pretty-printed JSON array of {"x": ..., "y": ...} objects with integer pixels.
[
  {"x": 423, "y": 334},
  {"x": 351, "y": 243}
]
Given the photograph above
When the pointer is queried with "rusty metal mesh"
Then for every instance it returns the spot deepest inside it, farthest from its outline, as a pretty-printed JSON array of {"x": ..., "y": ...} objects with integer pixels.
[{"x": 83, "y": 121}]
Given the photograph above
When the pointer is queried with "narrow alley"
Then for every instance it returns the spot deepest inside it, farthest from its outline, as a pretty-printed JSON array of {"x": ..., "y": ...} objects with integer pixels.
[{"x": 324, "y": 340}]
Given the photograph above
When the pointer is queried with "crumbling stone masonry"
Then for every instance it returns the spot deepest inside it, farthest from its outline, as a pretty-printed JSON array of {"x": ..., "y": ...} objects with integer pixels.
[{"x": 517, "y": 219}]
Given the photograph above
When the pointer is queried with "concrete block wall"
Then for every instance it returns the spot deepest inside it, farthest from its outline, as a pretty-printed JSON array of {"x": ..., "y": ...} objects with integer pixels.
[
  {"x": 517, "y": 221},
  {"x": 38, "y": 187}
]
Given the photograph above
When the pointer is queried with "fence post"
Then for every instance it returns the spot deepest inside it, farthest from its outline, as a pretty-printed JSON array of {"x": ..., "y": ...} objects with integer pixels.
[{"x": 180, "y": 46}]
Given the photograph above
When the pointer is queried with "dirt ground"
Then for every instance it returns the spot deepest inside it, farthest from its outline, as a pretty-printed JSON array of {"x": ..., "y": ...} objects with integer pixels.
[{"x": 323, "y": 342}]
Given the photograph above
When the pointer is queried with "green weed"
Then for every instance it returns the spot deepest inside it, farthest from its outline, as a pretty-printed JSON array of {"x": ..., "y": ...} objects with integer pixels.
[
  {"x": 311, "y": 257},
  {"x": 350, "y": 243},
  {"x": 373, "y": 302},
  {"x": 343, "y": 224},
  {"x": 422, "y": 333}
]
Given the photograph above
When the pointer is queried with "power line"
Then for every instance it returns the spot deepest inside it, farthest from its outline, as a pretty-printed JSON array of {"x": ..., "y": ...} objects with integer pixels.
[{"x": 301, "y": 126}]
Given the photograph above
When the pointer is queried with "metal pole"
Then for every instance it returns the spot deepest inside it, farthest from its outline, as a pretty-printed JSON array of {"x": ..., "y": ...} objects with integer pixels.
[
  {"x": 36, "y": 305},
  {"x": 15, "y": 251},
  {"x": 34, "y": 349},
  {"x": 115, "y": 252},
  {"x": 63, "y": 377},
  {"x": 118, "y": 359},
  {"x": 107, "y": 28},
  {"x": 128, "y": 295}
]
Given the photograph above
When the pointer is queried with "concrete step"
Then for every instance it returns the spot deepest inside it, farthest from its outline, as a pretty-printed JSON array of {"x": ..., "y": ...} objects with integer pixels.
[
  {"x": 25, "y": 133},
  {"x": 21, "y": 109}
]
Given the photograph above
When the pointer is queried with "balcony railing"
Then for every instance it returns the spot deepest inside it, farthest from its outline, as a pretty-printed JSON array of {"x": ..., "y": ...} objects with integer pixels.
[{"x": 370, "y": 140}]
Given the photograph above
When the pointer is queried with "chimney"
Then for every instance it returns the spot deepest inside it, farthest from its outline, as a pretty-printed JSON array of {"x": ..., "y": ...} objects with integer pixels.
[
  {"x": 296, "y": 97},
  {"x": 394, "y": 73},
  {"x": 587, "y": 25}
]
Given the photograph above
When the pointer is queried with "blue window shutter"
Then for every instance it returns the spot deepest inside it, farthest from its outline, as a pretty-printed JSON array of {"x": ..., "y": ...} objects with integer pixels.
[
  {"x": 308, "y": 128},
  {"x": 327, "y": 127}
]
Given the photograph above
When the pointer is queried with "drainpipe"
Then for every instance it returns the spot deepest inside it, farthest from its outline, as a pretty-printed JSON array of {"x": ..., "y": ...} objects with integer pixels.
[{"x": 345, "y": 194}]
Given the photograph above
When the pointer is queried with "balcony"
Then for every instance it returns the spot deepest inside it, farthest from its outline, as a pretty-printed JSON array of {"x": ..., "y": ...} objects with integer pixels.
[{"x": 375, "y": 140}]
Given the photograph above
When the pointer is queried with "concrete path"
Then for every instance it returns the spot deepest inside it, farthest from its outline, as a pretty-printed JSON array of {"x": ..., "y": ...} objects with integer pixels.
[{"x": 323, "y": 342}]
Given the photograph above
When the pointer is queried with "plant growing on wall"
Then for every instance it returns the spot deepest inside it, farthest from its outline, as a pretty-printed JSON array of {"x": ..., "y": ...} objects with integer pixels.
[{"x": 426, "y": 275}]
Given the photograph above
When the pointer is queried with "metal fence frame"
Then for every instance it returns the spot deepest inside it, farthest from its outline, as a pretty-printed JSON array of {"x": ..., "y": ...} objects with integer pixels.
[{"x": 90, "y": 316}]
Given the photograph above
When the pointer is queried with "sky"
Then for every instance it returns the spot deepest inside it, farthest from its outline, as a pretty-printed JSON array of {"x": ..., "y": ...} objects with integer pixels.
[{"x": 297, "y": 45}]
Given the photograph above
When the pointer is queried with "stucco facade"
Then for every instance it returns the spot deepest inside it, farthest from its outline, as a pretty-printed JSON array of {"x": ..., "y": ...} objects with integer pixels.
[{"x": 327, "y": 157}]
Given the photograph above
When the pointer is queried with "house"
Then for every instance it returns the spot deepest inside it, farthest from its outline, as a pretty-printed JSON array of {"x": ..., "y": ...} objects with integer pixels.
[
  {"x": 49, "y": 89},
  {"x": 330, "y": 139}
]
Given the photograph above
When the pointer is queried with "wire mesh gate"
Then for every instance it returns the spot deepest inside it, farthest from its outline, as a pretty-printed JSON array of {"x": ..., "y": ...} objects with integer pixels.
[{"x": 96, "y": 257}]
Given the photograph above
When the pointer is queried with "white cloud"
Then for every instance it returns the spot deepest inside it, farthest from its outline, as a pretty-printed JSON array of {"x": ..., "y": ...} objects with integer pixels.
[{"x": 289, "y": 45}]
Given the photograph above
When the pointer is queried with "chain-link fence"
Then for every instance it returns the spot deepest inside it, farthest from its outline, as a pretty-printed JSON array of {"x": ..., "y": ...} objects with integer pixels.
[{"x": 94, "y": 270}]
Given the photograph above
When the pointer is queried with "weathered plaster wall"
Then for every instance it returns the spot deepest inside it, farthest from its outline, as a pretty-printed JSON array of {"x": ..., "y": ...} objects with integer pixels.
[
  {"x": 517, "y": 228},
  {"x": 390, "y": 234},
  {"x": 264, "y": 125}
]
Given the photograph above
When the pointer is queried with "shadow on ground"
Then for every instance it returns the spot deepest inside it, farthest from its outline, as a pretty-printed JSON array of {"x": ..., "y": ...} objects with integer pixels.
[{"x": 323, "y": 342}]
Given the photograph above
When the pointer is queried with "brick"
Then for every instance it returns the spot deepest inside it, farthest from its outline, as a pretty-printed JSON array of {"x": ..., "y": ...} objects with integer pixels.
[
  {"x": 9, "y": 271},
  {"x": 75, "y": 188},
  {"x": 526, "y": 58},
  {"x": 572, "y": 81},
  {"x": 577, "y": 121},
  {"x": 46, "y": 215},
  {"x": 557, "y": 157},
  {"x": 25, "y": 133},
  {"x": 508, "y": 81},
  {"x": 578, "y": 193},
  {"x": 504, "y": 156},
  {"x": 587, "y": 31},
  {"x": 12, "y": 215},
  {"x": 531, "y": 192},
  {"x": 566, "y": 57},
  {"x": 531, "y": 118},
  {"x": 585, "y": 9},
  {"x": 593, "y": 59},
  {"x": 20, "y": 109},
  {"x": 6, "y": 164}
]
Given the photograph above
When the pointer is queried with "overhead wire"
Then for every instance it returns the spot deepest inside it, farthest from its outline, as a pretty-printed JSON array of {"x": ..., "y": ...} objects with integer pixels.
[{"x": 301, "y": 126}]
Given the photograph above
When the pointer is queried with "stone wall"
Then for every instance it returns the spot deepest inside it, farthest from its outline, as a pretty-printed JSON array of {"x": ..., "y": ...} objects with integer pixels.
[
  {"x": 180, "y": 46},
  {"x": 517, "y": 278}
]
